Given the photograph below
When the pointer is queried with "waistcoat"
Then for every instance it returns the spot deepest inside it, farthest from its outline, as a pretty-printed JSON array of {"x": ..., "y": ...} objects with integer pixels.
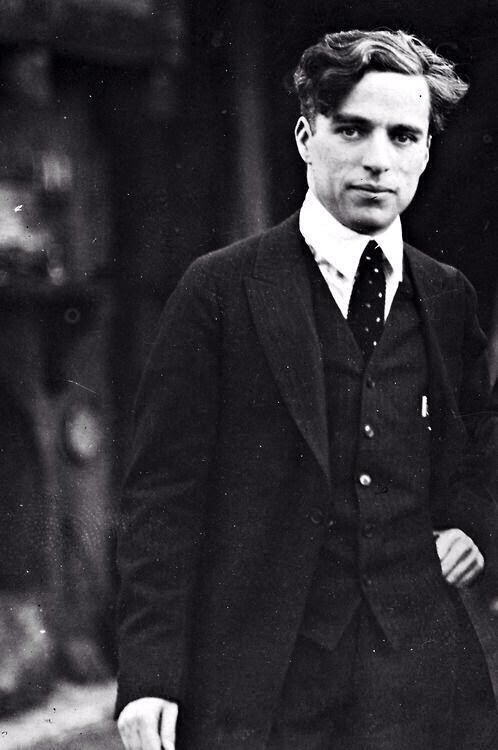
[{"x": 378, "y": 543}]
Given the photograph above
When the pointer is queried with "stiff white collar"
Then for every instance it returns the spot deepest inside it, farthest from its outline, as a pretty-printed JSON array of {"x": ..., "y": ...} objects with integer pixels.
[{"x": 333, "y": 243}]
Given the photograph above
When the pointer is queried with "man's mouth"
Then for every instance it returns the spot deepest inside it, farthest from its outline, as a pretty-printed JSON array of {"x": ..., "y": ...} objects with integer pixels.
[{"x": 369, "y": 189}]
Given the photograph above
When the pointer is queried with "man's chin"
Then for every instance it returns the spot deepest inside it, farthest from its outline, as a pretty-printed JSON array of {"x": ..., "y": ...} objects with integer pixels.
[{"x": 372, "y": 221}]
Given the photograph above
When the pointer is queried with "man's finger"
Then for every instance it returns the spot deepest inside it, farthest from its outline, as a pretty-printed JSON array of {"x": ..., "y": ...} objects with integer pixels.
[
  {"x": 467, "y": 579},
  {"x": 140, "y": 734},
  {"x": 445, "y": 540},
  {"x": 168, "y": 726},
  {"x": 149, "y": 736},
  {"x": 139, "y": 722},
  {"x": 129, "y": 736},
  {"x": 467, "y": 570},
  {"x": 128, "y": 731},
  {"x": 459, "y": 552},
  {"x": 460, "y": 558}
]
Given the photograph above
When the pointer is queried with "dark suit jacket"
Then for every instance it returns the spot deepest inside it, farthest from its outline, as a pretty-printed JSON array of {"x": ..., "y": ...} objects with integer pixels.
[{"x": 217, "y": 549}]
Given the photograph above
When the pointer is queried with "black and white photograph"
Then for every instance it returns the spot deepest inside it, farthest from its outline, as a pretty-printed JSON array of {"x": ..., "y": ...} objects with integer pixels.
[{"x": 248, "y": 367}]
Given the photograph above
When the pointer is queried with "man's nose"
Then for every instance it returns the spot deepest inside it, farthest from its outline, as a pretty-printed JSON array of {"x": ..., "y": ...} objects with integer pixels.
[{"x": 377, "y": 153}]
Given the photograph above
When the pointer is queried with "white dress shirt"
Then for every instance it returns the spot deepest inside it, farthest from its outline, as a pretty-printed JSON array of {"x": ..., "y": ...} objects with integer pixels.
[{"x": 337, "y": 251}]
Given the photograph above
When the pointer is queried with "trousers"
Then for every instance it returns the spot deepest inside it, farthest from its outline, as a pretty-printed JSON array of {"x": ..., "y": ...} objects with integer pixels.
[{"x": 367, "y": 695}]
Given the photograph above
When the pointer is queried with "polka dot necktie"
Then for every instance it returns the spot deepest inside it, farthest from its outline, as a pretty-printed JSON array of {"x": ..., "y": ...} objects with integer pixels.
[{"x": 367, "y": 303}]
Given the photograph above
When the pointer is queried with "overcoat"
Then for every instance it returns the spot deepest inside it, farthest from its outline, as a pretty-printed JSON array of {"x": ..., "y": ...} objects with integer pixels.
[{"x": 217, "y": 544}]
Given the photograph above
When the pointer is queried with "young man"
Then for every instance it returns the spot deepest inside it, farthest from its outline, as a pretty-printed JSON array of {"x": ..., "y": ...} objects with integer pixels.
[{"x": 316, "y": 405}]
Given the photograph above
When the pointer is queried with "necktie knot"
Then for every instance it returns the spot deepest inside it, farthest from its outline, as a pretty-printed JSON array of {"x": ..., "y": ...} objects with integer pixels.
[
  {"x": 372, "y": 257},
  {"x": 367, "y": 303}
]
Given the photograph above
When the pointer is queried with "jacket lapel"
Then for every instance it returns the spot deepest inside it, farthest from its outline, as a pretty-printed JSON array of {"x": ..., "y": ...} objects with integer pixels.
[
  {"x": 280, "y": 300},
  {"x": 431, "y": 289},
  {"x": 279, "y": 296}
]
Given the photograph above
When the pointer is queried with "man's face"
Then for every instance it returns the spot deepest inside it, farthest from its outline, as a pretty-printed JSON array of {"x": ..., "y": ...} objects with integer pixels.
[{"x": 365, "y": 160}]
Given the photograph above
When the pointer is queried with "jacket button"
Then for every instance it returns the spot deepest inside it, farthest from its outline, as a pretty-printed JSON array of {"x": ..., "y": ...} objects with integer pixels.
[
  {"x": 316, "y": 516},
  {"x": 368, "y": 530},
  {"x": 365, "y": 480}
]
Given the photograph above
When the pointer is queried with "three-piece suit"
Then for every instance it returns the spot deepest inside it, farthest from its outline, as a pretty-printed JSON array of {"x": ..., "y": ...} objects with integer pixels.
[{"x": 279, "y": 485}]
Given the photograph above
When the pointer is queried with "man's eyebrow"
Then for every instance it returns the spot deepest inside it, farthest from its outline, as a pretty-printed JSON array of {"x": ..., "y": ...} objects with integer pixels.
[
  {"x": 404, "y": 128},
  {"x": 342, "y": 118}
]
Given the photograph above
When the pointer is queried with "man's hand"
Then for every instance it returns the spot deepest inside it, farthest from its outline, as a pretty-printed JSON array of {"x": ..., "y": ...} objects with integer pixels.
[
  {"x": 461, "y": 559},
  {"x": 148, "y": 724}
]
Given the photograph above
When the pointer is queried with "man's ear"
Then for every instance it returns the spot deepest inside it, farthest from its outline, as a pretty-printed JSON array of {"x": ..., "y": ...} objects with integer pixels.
[
  {"x": 303, "y": 133},
  {"x": 427, "y": 150}
]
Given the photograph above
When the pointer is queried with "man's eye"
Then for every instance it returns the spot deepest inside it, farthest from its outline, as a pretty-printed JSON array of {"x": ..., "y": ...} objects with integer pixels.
[
  {"x": 404, "y": 138},
  {"x": 349, "y": 132}
]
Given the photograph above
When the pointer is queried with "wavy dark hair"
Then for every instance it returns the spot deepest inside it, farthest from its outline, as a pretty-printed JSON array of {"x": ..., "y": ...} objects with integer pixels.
[{"x": 328, "y": 71}]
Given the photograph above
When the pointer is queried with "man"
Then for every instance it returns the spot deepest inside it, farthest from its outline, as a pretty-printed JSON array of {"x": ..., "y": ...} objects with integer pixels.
[{"x": 315, "y": 407}]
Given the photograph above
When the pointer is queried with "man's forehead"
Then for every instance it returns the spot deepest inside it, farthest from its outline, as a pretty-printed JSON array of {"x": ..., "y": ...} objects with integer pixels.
[{"x": 383, "y": 94}]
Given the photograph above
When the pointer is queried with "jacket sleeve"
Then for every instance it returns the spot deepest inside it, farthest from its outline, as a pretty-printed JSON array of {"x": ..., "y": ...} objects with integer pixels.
[
  {"x": 474, "y": 484},
  {"x": 161, "y": 525}
]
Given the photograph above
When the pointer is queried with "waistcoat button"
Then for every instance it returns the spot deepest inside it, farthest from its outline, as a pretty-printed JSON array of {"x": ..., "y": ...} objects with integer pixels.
[
  {"x": 316, "y": 516},
  {"x": 365, "y": 480},
  {"x": 368, "y": 431},
  {"x": 368, "y": 530},
  {"x": 370, "y": 382}
]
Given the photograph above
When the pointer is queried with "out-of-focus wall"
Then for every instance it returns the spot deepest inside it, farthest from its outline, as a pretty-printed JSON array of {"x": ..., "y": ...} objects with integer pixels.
[{"x": 86, "y": 89}]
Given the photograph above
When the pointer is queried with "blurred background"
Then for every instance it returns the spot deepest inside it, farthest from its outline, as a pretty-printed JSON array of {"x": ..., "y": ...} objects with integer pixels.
[{"x": 136, "y": 135}]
